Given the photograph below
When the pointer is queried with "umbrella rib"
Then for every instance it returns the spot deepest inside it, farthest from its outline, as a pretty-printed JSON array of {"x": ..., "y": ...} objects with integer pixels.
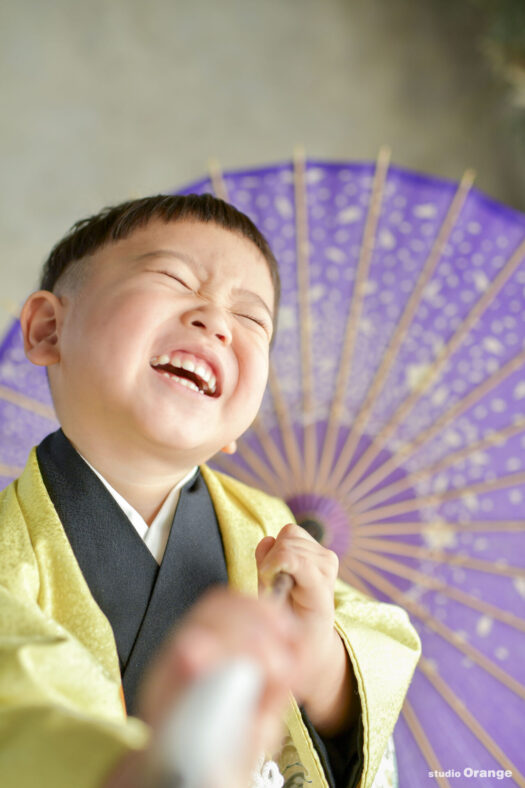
[
  {"x": 328, "y": 453},
  {"x": 258, "y": 465},
  {"x": 433, "y": 370},
  {"x": 217, "y": 180},
  {"x": 352, "y": 577},
  {"x": 479, "y": 391},
  {"x": 422, "y": 742},
  {"x": 468, "y": 719},
  {"x": 481, "y": 526},
  {"x": 417, "y": 503},
  {"x": 439, "y": 586},
  {"x": 365, "y": 546},
  {"x": 396, "y": 341},
  {"x": 282, "y": 470},
  {"x": 11, "y": 471},
  {"x": 10, "y": 307},
  {"x": 237, "y": 471},
  {"x": 443, "y": 631},
  {"x": 498, "y": 437},
  {"x": 287, "y": 432},
  {"x": 305, "y": 318},
  {"x": 221, "y": 191},
  {"x": 28, "y": 403}
]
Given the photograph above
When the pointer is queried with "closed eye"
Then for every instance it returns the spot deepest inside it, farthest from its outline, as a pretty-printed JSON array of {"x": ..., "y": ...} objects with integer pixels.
[
  {"x": 256, "y": 320},
  {"x": 177, "y": 279}
]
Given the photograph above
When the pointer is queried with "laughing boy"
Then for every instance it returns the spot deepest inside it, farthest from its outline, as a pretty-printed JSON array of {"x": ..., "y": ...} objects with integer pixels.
[{"x": 155, "y": 320}]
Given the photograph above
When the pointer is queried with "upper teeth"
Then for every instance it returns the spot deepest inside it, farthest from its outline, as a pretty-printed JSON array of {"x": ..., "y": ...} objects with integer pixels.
[{"x": 199, "y": 367}]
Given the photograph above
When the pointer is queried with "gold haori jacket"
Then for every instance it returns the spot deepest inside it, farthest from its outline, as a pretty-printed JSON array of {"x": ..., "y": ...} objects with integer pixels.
[{"x": 62, "y": 721}]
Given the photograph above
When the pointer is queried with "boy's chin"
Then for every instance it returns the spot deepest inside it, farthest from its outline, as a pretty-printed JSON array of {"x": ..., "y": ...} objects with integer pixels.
[{"x": 193, "y": 451}]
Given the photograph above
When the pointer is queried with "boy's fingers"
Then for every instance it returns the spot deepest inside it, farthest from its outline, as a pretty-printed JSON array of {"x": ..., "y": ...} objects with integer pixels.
[
  {"x": 263, "y": 548},
  {"x": 270, "y": 556},
  {"x": 294, "y": 551},
  {"x": 267, "y": 566}
]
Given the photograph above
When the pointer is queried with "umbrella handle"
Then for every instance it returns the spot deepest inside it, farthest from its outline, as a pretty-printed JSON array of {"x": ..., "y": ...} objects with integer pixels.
[{"x": 281, "y": 587}]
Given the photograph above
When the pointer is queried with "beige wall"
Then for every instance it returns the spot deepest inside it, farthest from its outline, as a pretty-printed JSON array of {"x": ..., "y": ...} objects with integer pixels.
[{"x": 106, "y": 100}]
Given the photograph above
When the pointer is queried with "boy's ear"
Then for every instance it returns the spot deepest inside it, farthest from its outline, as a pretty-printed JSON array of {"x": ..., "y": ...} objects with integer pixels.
[
  {"x": 230, "y": 448},
  {"x": 40, "y": 319}
]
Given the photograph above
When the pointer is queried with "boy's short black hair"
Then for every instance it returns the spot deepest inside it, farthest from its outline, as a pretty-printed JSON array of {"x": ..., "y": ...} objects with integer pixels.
[{"x": 114, "y": 223}]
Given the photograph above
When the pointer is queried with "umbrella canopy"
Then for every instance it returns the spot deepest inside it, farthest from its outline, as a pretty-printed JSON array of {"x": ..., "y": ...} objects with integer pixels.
[{"x": 394, "y": 426}]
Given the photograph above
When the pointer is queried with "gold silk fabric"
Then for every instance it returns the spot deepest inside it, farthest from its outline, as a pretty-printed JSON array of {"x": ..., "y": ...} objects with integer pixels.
[{"x": 62, "y": 721}]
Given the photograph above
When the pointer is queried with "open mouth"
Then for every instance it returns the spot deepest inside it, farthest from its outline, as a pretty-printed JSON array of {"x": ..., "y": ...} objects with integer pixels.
[{"x": 196, "y": 377}]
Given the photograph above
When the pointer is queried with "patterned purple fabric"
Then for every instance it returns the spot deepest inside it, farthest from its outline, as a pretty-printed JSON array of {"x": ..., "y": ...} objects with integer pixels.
[{"x": 440, "y": 529}]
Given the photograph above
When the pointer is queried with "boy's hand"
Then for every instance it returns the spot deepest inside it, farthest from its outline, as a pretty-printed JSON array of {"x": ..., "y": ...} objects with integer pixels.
[
  {"x": 327, "y": 688},
  {"x": 221, "y": 626}
]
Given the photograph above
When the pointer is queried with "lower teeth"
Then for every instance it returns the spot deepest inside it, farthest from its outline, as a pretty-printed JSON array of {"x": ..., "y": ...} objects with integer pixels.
[{"x": 184, "y": 382}]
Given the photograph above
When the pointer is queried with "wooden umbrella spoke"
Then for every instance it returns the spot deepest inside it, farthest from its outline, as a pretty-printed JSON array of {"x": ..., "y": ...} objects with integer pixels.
[
  {"x": 277, "y": 462},
  {"x": 351, "y": 575},
  {"x": 285, "y": 476},
  {"x": 254, "y": 460},
  {"x": 354, "y": 314},
  {"x": 291, "y": 446},
  {"x": 280, "y": 476},
  {"x": 433, "y": 372},
  {"x": 11, "y": 471},
  {"x": 496, "y": 437},
  {"x": 305, "y": 318},
  {"x": 404, "y": 529},
  {"x": 398, "y": 337},
  {"x": 272, "y": 452},
  {"x": 229, "y": 466},
  {"x": 440, "y": 586},
  {"x": 365, "y": 546},
  {"x": 256, "y": 465},
  {"x": 11, "y": 307},
  {"x": 418, "y": 611},
  {"x": 28, "y": 403},
  {"x": 468, "y": 719},
  {"x": 474, "y": 395},
  {"x": 293, "y": 452},
  {"x": 423, "y": 743},
  {"x": 217, "y": 180},
  {"x": 434, "y": 499}
]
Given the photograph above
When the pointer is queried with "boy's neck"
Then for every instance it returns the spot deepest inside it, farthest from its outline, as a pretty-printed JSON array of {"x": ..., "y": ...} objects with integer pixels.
[{"x": 143, "y": 483}]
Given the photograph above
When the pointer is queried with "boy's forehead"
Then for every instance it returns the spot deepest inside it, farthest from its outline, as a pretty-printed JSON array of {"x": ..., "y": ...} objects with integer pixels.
[
  {"x": 208, "y": 237},
  {"x": 194, "y": 242}
]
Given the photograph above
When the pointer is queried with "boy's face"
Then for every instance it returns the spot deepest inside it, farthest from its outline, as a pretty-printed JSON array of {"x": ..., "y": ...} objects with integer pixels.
[{"x": 182, "y": 295}]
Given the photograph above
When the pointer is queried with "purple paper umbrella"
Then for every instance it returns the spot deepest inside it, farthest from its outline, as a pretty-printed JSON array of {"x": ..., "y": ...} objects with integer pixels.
[{"x": 394, "y": 426}]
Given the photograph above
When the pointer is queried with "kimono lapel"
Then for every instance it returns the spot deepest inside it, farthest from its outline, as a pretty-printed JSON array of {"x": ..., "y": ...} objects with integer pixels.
[
  {"x": 117, "y": 566},
  {"x": 193, "y": 562}
]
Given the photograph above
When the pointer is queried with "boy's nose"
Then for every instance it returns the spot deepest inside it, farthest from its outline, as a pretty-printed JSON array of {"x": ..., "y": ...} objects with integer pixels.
[{"x": 211, "y": 320}]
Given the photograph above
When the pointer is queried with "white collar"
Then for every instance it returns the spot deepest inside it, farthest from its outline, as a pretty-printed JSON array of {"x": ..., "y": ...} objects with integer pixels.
[{"x": 155, "y": 536}]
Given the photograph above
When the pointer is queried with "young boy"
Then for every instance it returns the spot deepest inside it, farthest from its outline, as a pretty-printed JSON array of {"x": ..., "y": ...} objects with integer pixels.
[{"x": 155, "y": 321}]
